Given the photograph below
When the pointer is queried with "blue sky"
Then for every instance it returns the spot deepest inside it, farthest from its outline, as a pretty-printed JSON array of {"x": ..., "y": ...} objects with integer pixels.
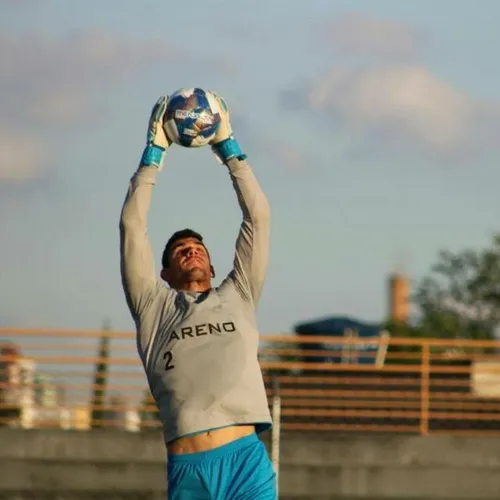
[{"x": 372, "y": 126}]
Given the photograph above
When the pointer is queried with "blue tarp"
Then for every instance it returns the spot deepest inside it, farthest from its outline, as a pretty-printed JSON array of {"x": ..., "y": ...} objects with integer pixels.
[{"x": 337, "y": 327}]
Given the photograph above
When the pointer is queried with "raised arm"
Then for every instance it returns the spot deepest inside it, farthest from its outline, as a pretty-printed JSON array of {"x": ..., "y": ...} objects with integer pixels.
[
  {"x": 136, "y": 256},
  {"x": 137, "y": 265},
  {"x": 252, "y": 245}
]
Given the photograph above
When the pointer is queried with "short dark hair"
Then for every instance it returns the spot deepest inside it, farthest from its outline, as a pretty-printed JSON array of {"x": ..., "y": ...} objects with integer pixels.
[{"x": 178, "y": 235}]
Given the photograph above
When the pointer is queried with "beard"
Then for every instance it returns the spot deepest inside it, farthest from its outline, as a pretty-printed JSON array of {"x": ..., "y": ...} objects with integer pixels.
[{"x": 195, "y": 273}]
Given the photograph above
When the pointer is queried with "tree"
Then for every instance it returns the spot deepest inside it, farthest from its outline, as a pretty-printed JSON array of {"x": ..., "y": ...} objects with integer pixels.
[
  {"x": 100, "y": 380},
  {"x": 460, "y": 298},
  {"x": 150, "y": 415},
  {"x": 115, "y": 412}
]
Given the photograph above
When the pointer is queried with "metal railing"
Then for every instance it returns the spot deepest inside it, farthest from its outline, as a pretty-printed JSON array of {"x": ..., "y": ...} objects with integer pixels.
[{"x": 59, "y": 379}]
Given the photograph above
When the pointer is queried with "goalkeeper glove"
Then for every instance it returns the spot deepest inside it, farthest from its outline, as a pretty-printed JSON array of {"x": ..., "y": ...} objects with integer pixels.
[
  {"x": 157, "y": 141},
  {"x": 224, "y": 145}
]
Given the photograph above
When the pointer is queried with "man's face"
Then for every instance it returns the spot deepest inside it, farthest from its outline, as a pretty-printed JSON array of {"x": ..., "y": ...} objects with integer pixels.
[{"x": 189, "y": 260}]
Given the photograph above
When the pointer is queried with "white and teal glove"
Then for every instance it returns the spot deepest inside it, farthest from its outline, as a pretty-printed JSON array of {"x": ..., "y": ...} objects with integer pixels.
[
  {"x": 224, "y": 145},
  {"x": 157, "y": 141}
]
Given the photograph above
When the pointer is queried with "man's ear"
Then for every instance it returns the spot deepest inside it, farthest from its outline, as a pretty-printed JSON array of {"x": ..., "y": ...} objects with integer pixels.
[
  {"x": 165, "y": 274},
  {"x": 212, "y": 271}
]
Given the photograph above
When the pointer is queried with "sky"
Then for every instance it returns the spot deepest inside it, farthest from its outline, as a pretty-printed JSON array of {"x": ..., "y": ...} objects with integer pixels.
[{"x": 371, "y": 125}]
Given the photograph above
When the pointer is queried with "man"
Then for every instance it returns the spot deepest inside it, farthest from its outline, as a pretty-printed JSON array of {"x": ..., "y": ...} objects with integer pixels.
[{"x": 199, "y": 343}]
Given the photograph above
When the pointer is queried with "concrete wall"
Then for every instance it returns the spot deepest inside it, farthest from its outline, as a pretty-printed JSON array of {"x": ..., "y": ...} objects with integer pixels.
[{"x": 105, "y": 465}]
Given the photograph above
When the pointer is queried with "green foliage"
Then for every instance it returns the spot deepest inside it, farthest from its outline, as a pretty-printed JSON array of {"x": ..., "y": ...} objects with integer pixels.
[
  {"x": 460, "y": 298},
  {"x": 149, "y": 414},
  {"x": 100, "y": 381}
]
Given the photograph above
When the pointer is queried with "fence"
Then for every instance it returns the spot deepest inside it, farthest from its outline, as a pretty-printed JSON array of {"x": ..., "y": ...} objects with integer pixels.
[{"x": 85, "y": 379}]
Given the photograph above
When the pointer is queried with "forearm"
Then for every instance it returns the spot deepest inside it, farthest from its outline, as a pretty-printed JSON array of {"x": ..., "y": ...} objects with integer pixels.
[
  {"x": 251, "y": 198},
  {"x": 252, "y": 245},
  {"x": 137, "y": 261},
  {"x": 138, "y": 199}
]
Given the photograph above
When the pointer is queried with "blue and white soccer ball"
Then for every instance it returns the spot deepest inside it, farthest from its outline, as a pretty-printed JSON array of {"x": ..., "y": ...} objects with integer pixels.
[{"x": 192, "y": 117}]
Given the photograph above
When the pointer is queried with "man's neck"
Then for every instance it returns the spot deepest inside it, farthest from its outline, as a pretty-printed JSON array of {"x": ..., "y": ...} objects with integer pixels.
[{"x": 195, "y": 286}]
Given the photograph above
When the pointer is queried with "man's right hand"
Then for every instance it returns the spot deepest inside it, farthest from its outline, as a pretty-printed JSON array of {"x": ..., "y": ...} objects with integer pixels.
[{"x": 157, "y": 141}]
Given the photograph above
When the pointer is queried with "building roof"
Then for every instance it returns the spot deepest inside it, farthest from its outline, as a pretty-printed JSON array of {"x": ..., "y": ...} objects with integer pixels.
[{"x": 336, "y": 327}]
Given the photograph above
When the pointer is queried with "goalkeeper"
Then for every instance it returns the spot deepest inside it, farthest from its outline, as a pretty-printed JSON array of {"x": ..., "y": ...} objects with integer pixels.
[{"x": 198, "y": 343}]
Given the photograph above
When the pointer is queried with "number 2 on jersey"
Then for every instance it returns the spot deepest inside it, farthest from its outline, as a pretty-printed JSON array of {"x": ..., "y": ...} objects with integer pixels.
[{"x": 168, "y": 360}]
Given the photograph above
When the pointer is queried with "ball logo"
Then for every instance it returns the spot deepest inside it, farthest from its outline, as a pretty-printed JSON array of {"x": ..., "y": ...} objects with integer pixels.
[{"x": 184, "y": 114}]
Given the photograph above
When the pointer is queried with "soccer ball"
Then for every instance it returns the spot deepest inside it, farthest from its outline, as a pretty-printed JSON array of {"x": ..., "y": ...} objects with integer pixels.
[{"x": 192, "y": 117}]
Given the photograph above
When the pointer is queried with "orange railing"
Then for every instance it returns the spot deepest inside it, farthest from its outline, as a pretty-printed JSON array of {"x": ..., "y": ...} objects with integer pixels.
[{"x": 52, "y": 379}]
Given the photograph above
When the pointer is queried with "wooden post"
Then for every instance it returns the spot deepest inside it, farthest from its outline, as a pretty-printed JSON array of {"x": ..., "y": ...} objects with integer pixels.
[
  {"x": 275, "y": 442},
  {"x": 425, "y": 389}
]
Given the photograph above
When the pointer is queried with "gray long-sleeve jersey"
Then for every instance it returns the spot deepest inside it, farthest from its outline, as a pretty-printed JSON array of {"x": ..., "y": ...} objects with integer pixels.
[{"x": 199, "y": 350}]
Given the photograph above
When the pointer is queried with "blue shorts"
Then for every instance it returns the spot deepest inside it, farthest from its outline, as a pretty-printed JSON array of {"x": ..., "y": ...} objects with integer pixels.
[{"x": 240, "y": 470}]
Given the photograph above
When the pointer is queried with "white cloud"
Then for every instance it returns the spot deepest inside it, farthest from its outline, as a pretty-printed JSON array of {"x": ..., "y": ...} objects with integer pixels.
[
  {"x": 359, "y": 34},
  {"x": 22, "y": 156},
  {"x": 287, "y": 154},
  {"x": 406, "y": 105},
  {"x": 283, "y": 153},
  {"x": 61, "y": 72},
  {"x": 48, "y": 82}
]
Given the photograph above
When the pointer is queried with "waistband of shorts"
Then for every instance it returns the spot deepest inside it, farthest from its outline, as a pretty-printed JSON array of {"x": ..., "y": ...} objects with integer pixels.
[{"x": 214, "y": 453}]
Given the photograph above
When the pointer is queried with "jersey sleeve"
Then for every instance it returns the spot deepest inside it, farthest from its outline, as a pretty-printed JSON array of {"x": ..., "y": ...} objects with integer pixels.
[
  {"x": 252, "y": 244},
  {"x": 137, "y": 266}
]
